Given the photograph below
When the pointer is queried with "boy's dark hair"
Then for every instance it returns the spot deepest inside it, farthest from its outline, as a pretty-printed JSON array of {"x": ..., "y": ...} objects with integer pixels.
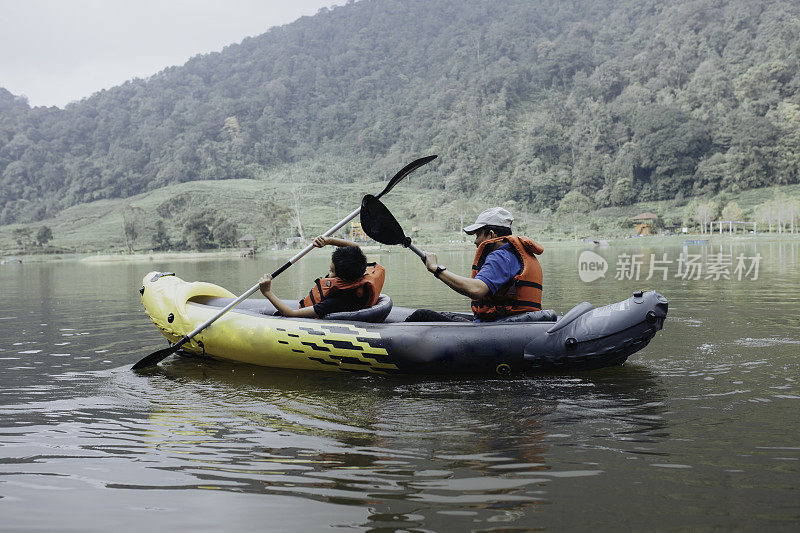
[
  {"x": 500, "y": 231},
  {"x": 349, "y": 262}
]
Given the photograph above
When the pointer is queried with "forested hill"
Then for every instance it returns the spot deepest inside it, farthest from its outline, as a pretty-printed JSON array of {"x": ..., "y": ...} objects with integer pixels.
[{"x": 622, "y": 100}]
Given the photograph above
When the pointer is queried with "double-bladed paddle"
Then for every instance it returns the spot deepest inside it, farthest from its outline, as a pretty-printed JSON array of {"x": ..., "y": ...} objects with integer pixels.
[
  {"x": 381, "y": 226},
  {"x": 156, "y": 357}
]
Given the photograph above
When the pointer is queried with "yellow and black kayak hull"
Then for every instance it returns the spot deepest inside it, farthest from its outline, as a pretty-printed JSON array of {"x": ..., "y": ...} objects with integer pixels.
[{"x": 582, "y": 339}]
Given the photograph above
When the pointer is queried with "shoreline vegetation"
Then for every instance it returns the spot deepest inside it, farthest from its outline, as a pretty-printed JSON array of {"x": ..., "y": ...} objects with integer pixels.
[
  {"x": 144, "y": 257},
  {"x": 168, "y": 220}
]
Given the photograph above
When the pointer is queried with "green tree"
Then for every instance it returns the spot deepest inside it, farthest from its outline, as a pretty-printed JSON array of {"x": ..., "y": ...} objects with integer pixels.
[
  {"x": 197, "y": 232},
  {"x": 572, "y": 208},
  {"x": 44, "y": 235},
  {"x": 160, "y": 239},
  {"x": 546, "y": 214},
  {"x": 225, "y": 232},
  {"x": 23, "y": 237},
  {"x": 732, "y": 211},
  {"x": 670, "y": 144},
  {"x": 275, "y": 217}
]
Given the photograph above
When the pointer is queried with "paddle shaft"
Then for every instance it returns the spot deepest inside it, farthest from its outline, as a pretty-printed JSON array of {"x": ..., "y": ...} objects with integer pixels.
[
  {"x": 155, "y": 357},
  {"x": 416, "y": 250},
  {"x": 283, "y": 267},
  {"x": 400, "y": 175}
]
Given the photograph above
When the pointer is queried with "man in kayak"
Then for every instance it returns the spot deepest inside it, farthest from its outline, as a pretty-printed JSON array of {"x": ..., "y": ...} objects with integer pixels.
[
  {"x": 352, "y": 283},
  {"x": 506, "y": 275}
]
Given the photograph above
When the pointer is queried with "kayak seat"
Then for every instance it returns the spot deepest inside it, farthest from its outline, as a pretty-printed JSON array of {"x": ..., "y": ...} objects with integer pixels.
[
  {"x": 251, "y": 306},
  {"x": 545, "y": 315},
  {"x": 375, "y": 314}
]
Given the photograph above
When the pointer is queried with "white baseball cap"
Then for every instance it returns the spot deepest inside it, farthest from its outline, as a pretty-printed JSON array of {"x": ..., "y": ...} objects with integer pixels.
[{"x": 494, "y": 216}]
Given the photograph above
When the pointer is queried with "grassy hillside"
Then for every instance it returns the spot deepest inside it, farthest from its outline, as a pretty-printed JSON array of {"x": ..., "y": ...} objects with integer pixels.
[
  {"x": 429, "y": 216},
  {"x": 99, "y": 226}
]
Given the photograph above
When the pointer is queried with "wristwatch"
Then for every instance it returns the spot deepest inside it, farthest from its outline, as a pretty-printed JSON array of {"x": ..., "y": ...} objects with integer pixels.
[{"x": 439, "y": 270}]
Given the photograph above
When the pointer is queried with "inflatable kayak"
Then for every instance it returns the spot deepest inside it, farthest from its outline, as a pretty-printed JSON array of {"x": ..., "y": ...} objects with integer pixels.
[{"x": 379, "y": 340}]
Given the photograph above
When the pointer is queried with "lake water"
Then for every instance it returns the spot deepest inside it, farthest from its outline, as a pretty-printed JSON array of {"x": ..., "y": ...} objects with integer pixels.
[{"x": 699, "y": 430}]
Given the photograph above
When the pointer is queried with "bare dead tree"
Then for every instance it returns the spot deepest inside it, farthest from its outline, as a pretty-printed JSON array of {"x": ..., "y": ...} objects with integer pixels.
[
  {"x": 703, "y": 213},
  {"x": 131, "y": 224},
  {"x": 296, "y": 193}
]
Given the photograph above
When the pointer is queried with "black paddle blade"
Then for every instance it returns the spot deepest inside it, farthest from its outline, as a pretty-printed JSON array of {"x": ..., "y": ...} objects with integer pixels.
[
  {"x": 156, "y": 357},
  {"x": 405, "y": 171},
  {"x": 380, "y": 224}
]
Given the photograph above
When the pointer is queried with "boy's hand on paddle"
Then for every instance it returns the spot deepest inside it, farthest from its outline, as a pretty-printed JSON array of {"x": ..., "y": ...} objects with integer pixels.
[
  {"x": 265, "y": 284},
  {"x": 320, "y": 241}
]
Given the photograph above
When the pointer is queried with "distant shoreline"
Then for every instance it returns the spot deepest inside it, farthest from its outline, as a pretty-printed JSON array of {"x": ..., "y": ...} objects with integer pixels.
[
  {"x": 158, "y": 256},
  {"x": 144, "y": 257}
]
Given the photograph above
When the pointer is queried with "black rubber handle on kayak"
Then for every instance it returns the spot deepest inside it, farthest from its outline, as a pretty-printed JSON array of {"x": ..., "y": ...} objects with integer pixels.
[{"x": 158, "y": 356}]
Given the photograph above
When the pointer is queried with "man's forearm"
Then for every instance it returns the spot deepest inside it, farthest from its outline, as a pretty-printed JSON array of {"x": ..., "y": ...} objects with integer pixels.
[{"x": 470, "y": 287}]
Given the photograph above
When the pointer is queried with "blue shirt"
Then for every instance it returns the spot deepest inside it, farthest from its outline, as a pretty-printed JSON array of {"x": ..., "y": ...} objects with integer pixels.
[{"x": 500, "y": 266}]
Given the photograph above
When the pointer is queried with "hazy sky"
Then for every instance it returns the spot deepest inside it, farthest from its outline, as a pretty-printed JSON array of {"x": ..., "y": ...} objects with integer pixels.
[{"x": 58, "y": 51}]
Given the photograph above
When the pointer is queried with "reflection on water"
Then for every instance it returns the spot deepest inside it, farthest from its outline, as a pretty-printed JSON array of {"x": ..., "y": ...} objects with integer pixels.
[
  {"x": 698, "y": 429},
  {"x": 416, "y": 453}
]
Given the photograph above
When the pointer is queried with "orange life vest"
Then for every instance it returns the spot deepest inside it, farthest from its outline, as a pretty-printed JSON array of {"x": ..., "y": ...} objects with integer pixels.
[
  {"x": 367, "y": 288},
  {"x": 523, "y": 292}
]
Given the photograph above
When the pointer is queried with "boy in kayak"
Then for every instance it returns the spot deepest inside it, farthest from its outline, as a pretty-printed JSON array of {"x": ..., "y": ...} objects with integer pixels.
[
  {"x": 506, "y": 275},
  {"x": 352, "y": 283}
]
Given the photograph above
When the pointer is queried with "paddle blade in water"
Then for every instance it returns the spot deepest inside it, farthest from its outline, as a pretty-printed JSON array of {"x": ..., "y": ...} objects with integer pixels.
[
  {"x": 379, "y": 223},
  {"x": 156, "y": 357}
]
